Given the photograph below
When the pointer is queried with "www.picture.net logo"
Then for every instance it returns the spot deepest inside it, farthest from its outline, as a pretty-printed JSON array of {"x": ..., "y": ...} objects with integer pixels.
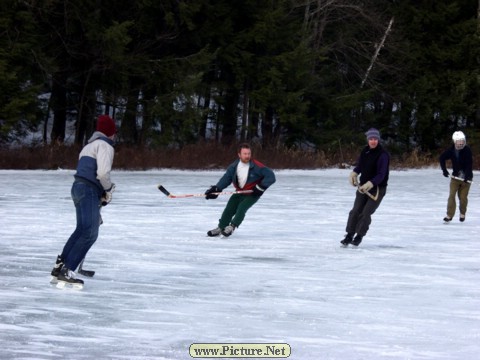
[{"x": 253, "y": 350}]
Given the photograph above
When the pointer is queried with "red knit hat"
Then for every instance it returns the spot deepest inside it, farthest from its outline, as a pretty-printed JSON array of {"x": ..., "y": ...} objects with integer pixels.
[{"x": 106, "y": 125}]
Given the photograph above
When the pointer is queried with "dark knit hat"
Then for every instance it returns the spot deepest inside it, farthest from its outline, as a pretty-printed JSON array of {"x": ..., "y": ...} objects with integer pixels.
[
  {"x": 373, "y": 133},
  {"x": 106, "y": 125}
]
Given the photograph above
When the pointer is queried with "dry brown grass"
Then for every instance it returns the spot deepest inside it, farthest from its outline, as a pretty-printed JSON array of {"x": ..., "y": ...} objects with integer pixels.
[
  {"x": 45, "y": 157},
  {"x": 202, "y": 156}
]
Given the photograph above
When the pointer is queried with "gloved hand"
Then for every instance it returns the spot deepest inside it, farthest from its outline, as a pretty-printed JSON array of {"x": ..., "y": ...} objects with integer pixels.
[
  {"x": 466, "y": 180},
  {"x": 209, "y": 193},
  {"x": 446, "y": 173},
  {"x": 107, "y": 196},
  {"x": 258, "y": 191},
  {"x": 366, "y": 187},
  {"x": 353, "y": 178}
]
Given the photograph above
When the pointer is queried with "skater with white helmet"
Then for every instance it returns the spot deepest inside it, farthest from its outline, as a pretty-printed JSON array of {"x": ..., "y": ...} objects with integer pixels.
[{"x": 460, "y": 156}]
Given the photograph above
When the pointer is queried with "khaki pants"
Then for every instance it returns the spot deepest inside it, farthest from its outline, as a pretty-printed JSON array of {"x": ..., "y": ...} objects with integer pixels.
[{"x": 461, "y": 188}]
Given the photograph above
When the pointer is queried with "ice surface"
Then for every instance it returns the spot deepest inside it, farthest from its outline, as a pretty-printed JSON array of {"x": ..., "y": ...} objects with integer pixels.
[{"x": 410, "y": 291}]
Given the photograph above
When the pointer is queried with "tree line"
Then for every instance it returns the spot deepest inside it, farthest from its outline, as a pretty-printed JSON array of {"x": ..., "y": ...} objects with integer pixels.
[{"x": 295, "y": 73}]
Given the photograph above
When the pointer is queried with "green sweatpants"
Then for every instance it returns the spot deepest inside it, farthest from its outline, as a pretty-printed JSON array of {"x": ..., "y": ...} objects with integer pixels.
[
  {"x": 236, "y": 209},
  {"x": 461, "y": 188}
]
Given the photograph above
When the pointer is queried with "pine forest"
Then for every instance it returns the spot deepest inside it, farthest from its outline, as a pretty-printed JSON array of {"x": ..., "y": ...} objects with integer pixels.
[{"x": 294, "y": 74}]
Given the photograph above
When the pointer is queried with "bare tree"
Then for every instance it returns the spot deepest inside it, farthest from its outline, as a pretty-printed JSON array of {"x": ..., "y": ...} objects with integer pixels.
[{"x": 377, "y": 51}]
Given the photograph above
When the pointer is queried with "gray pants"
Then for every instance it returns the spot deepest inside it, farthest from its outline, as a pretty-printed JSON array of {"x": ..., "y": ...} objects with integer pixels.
[{"x": 360, "y": 216}]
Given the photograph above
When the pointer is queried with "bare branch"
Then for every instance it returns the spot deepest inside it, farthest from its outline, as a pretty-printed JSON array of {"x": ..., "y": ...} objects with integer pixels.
[{"x": 377, "y": 51}]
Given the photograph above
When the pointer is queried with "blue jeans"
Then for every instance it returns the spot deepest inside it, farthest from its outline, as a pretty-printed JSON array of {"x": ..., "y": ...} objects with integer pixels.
[{"x": 87, "y": 205}]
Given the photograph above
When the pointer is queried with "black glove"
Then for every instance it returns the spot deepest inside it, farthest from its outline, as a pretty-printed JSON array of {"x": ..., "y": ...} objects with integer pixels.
[
  {"x": 209, "y": 193},
  {"x": 466, "y": 180},
  {"x": 446, "y": 173},
  {"x": 258, "y": 191}
]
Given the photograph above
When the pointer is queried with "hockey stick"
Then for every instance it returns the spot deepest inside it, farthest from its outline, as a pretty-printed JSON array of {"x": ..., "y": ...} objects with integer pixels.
[
  {"x": 172, "y": 196},
  {"x": 83, "y": 272},
  {"x": 373, "y": 197},
  {"x": 459, "y": 178}
]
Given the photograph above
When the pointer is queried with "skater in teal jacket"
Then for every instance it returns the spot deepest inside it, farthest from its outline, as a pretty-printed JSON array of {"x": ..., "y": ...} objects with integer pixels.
[{"x": 245, "y": 173}]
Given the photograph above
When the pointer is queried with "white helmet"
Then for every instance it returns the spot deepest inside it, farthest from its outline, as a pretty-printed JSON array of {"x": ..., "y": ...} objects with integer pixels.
[
  {"x": 458, "y": 138},
  {"x": 458, "y": 135}
]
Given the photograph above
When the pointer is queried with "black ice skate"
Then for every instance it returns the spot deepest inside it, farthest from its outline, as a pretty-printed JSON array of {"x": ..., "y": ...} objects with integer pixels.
[
  {"x": 357, "y": 240},
  {"x": 67, "y": 278},
  {"x": 348, "y": 240},
  {"x": 56, "y": 269}
]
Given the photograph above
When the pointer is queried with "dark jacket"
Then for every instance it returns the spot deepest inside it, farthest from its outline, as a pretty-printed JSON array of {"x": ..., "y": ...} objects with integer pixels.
[
  {"x": 257, "y": 174},
  {"x": 462, "y": 161},
  {"x": 373, "y": 165}
]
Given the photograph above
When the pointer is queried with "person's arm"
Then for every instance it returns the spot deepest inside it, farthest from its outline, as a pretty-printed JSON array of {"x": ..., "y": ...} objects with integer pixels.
[
  {"x": 382, "y": 169},
  {"x": 105, "y": 156},
  {"x": 443, "y": 158},
  {"x": 268, "y": 178},
  {"x": 468, "y": 164}
]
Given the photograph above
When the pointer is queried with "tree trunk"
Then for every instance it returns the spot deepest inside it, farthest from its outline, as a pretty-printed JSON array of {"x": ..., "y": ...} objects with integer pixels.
[
  {"x": 147, "y": 118},
  {"x": 267, "y": 127},
  {"x": 128, "y": 127},
  {"x": 477, "y": 112},
  {"x": 58, "y": 103},
  {"x": 245, "y": 129},
  {"x": 377, "y": 51},
  {"x": 86, "y": 115}
]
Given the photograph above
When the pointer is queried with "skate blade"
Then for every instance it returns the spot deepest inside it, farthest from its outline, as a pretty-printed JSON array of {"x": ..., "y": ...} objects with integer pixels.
[
  {"x": 64, "y": 285},
  {"x": 53, "y": 280}
]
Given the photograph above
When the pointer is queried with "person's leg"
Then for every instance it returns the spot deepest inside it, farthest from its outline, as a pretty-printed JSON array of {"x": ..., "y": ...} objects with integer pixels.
[
  {"x": 463, "y": 190},
  {"x": 358, "y": 204},
  {"x": 365, "y": 217},
  {"x": 230, "y": 210},
  {"x": 246, "y": 203},
  {"x": 78, "y": 194},
  {"x": 87, "y": 207},
  {"x": 451, "y": 203}
]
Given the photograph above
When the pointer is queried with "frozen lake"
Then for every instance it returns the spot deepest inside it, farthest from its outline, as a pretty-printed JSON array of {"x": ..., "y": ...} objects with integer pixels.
[{"x": 410, "y": 291}]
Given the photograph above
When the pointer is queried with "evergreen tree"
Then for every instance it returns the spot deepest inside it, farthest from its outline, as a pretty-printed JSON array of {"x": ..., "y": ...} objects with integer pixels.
[
  {"x": 20, "y": 85},
  {"x": 441, "y": 51}
]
